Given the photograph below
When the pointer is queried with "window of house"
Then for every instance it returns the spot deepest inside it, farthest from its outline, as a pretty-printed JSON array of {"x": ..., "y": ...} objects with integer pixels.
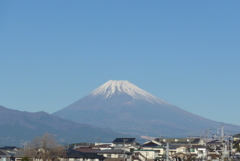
[{"x": 192, "y": 150}]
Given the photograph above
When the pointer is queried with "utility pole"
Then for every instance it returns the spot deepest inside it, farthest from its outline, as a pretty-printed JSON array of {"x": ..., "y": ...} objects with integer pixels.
[
  {"x": 190, "y": 146},
  {"x": 160, "y": 139},
  {"x": 206, "y": 141},
  {"x": 207, "y": 132},
  {"x": 167, "y": 152},
  {"x": 98, "y": 143}
]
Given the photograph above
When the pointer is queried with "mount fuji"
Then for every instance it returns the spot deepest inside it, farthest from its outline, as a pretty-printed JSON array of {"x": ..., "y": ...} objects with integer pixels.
[{"x": 124, "y": 107}]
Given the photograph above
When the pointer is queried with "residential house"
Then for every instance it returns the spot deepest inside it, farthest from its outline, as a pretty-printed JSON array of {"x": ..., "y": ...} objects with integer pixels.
[
  {"x": 19, "y": 155},
  {"x": 185, "y": 141},
  {"x": 5, "y": 156},
  {"x": 11, "y": 149},
  {"x": 122, "y": 148},
  {"x": 127, "y": 144},
  {"x": 236, "y": 137},
  {"x": 145, "y": 155},
  {"x": 215, "y": 148},
  {"x": 178, "y": 147},
  {"x": 154, "y": 146},
  {"x": 116, "y": 155},
  {"x": 177, "y": 151},
  {"x": 7, "y": 153}
]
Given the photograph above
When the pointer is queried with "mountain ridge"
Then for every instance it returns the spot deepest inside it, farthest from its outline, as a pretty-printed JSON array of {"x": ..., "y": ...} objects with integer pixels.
[
  {"x": 19, "y": 126},
  {"x": 120, "y": 106}
]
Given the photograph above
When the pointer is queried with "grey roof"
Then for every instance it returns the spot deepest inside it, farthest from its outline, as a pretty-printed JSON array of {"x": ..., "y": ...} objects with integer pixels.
[
  {"x": 176, "y": 146},
  {"x": 19, "y": 154},
  {"x": 2, "y": 153}
]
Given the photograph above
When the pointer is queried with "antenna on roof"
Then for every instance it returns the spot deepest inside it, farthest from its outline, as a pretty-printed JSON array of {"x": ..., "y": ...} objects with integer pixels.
[
  {"x": 146, "y": 137},
  {"x": 160, "y": 139}
]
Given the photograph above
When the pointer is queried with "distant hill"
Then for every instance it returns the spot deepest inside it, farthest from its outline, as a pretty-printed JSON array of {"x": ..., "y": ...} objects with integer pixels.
[
  {"x": 18, "y": 127},
  {"x": 126, "y": 108}
]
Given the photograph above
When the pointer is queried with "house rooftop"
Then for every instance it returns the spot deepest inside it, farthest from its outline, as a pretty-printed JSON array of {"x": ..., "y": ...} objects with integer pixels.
[
  {"x": 236, "y": 136},
  {"x": 8, "y": 148},
  {"x": 87, "y": 150},
  {"x": 122, "y": 140},
  {"x": 113, "y": 151},
  {"x": 79, "y": 154},
  {"x": 214, "y": 142},
  {"x": 2, "y": 153},
  {"x": 176, "y": 146},
  {"x": 20, "y": 154},
  {"x": 152, "y": 143}
]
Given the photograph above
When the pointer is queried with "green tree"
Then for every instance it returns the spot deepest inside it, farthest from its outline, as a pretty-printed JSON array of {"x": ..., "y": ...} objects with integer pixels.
[{"x": 26, "y": 158}]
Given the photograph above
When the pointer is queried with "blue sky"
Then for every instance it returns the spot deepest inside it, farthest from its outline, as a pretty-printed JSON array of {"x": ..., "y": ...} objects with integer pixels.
[{"x": 187, "y": 53}]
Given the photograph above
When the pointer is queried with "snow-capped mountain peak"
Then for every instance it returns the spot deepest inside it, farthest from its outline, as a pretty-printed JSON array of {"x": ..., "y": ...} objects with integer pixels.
[{"x": 115, "y": 87}]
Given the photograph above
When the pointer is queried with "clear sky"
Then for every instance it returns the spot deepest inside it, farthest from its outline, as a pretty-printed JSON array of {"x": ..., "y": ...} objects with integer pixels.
[{"x": 54, "y": 52}]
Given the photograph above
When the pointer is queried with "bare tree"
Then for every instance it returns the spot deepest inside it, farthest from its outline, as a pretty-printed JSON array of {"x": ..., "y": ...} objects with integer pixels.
[{"x": 45, "y": 148}]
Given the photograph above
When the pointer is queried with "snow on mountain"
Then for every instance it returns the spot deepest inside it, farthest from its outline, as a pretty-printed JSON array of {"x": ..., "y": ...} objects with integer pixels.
[
  {"x": 114, "y": 87},
  {"x": 124, "y": 107}
]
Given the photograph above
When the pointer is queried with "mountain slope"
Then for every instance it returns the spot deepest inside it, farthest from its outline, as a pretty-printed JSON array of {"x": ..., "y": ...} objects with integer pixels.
[
  {"x": 124, "y": 107},
  {"x": 17, "y": 126}
]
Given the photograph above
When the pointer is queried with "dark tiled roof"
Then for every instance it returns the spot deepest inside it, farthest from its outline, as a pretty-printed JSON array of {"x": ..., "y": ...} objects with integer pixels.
[
  {"x": 214, "y": 142},
  {"x": 8, "y": 147},
  {"x": 195, "y": 141},
  {"x": 236, "y": 135},
  {"x": 121, "y": 140},
  {"x": 150, "y": 144},
  {"x": 78, "y": 154},
  {"x": 87, "y": 150}
]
